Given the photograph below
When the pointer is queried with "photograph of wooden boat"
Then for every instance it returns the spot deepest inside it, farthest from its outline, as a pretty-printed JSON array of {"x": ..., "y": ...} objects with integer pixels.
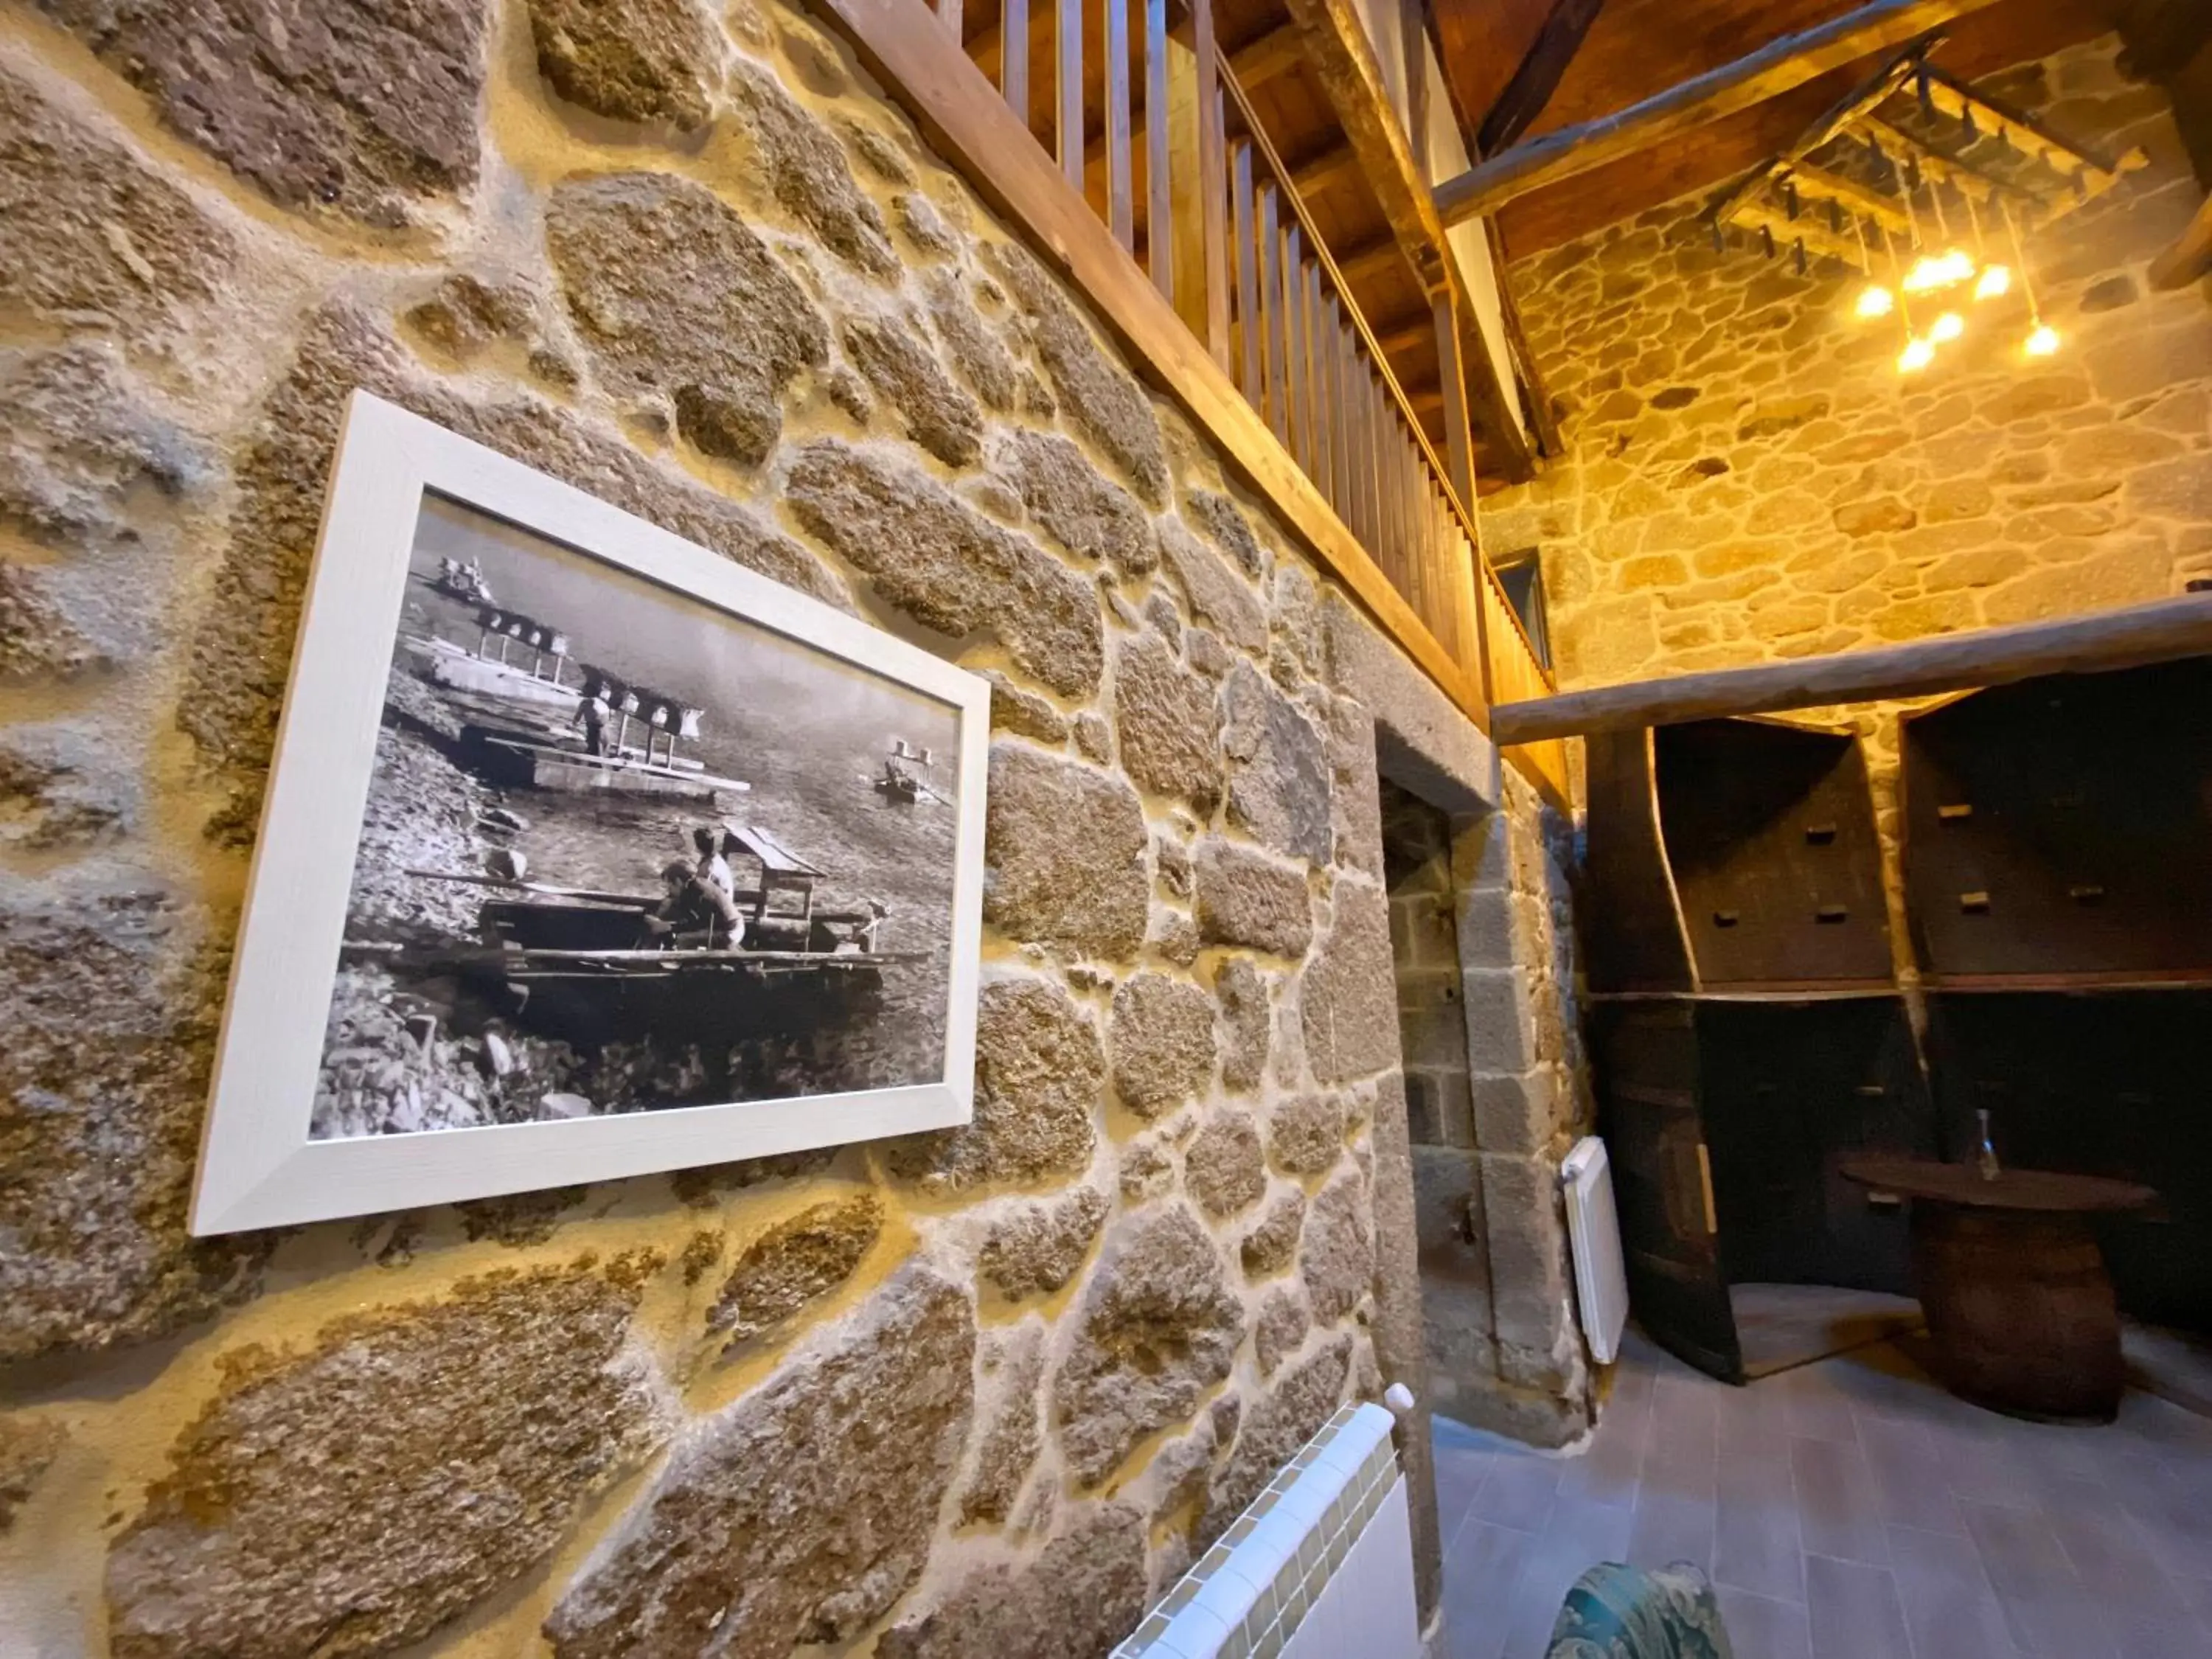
[
  {"x": 515, "y": 658},
  {"x": 554, "y": 912},
  {"x": 900, "y": 781}
]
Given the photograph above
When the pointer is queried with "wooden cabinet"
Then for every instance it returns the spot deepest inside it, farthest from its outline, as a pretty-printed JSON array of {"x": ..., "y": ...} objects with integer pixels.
[
  {"x": 1734, "y": 854},
  {"x": 2060, "y": 829}
]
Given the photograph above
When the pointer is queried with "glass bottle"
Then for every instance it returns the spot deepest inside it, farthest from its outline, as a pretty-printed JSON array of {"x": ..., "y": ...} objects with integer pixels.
[{"x": 1985, "y": 1159}]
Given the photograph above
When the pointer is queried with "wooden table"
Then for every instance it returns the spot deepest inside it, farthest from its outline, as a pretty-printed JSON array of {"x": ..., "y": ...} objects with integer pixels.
[{"x": 2019, "y": 1305}]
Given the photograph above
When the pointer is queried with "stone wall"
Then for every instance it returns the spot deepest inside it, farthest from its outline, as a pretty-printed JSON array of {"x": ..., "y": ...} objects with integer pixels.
[
  {"x": 1751, "y": 479},
  {"x": 1496, "y": 1092},
  {"x": 982, "y": 1391}
]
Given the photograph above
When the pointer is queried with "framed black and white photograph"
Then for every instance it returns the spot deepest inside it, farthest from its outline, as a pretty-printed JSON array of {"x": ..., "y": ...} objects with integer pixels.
[{"x": 587, "y": 852}]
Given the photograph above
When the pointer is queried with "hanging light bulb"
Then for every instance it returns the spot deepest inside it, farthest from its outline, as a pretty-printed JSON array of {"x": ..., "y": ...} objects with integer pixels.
[
  {"x": 1876, "y": 302},
  {"x": 2043, "y": 342},
  {"x": 1994, "y": 283},
  {"x": 1918, "y": 352},
  {"x": 1946, "y": 328}
]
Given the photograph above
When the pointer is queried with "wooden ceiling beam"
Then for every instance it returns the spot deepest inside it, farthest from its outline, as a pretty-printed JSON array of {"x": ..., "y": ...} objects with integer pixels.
[
  {"x": 1538, "y": 75},
  {"x": 1338, "y": 52},
  {"x": 1319, "y": 172},
  {"x": 1779, "y": 67},
  {"x": 2161, "y": 631},
  {"x": 1274, "y": 53},
  {"x": 1369, "y": 259}
]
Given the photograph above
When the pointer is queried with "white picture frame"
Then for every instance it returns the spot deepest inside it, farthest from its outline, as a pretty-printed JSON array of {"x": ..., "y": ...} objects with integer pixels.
[{"x": 260, "y": 1165}]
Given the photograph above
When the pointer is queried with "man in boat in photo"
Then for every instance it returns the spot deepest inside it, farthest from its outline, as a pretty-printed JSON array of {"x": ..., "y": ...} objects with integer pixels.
[
  {"x": 713, "y": 868},
  {"x": 591, "y": 715},
  {"x": 695, "y": 914}
]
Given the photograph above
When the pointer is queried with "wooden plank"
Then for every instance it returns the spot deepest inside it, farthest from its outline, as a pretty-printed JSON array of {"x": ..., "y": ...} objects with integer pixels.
[
  {"x": 1537, "y": 77},
  {"x": 2021, "y": 130},
  {"x": 1343, "y": 61},
  {"x": 1067, "y": 65},
  {"x": 1370, "y": 260},
  {"x": 948, "y": 17},
  {"x": 1168, "y": 115},
  {"x": 1897, "y": 145},
  {"x": 2191, "y": 257},
  {"x": 1757, "y": 214},
  {"x": 1818, "y": 185},
  {"x": 2158, "y": 631},
  {"x": 964, "y": 120},
  {"x": 1277, "y": 52},
  {"x": 1014, "y": 58},
  {"x": 1779, "y": 67},
  {"x": 1251, "y": 372},
  {"x": 1318, "y": 171},
  {"x": 1120, "y": 182}
]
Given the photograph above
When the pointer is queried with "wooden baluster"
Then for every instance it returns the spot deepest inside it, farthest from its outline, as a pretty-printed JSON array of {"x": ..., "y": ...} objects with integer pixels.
[
  {"x": 1370, "y": 482},
  {"x": 1331, "y": 352},
  {"x": 1363, "y": 487},
  {"x": 1167, "y": 116},
  {"x": 1120, "y": 182},
  {"x": 1014, "y": 56},
  {"x": 1212, "y": 176},
  {"x": 948, "y": 15},
  {"x": 1271, "y": 297},
  {"x": 1294, "y": 383},
  {"x": 1389, "y": 549},
  {"x": 1346, "y": 361},
  {"x": 1067, "y": 58},
  {"x": 1316, "y": 385},
  {"x": 1251, "y": 371}
]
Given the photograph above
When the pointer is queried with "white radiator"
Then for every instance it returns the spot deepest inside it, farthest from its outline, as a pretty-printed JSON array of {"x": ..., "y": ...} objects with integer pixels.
[
  {"x": 1320, "y": 1567},
  {"x": 1601, "y": 1280}
]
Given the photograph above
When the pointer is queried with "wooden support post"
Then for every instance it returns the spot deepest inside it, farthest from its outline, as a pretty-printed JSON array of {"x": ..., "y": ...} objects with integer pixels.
[
  {"x": 1774, "y": 68},
  {"x": 2158, "y": 631}
]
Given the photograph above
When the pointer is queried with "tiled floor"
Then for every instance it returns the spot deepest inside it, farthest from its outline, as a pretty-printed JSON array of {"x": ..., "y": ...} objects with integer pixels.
[{"x": 1850, "y": 1510}]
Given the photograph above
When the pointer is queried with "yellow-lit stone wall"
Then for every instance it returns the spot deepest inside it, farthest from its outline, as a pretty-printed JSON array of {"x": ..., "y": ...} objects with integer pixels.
[
  {"x": 1750, "y": 478},
  {"x": 980, "y": 1392}
]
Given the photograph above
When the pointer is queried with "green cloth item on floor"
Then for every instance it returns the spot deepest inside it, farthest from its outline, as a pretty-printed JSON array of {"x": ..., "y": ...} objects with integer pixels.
[{"x": 1615, "y": 1612}]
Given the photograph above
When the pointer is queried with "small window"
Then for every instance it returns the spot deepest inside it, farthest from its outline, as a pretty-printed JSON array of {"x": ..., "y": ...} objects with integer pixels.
[{"x": 1521, "y": 575}]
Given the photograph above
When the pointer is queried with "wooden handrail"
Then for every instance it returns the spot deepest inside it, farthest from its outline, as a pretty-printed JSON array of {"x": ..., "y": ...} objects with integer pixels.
[{"x": 1346, "y": 442}]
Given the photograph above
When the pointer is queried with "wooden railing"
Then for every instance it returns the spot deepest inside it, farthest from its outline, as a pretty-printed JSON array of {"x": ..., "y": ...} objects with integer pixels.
[{"x": 1222, "y": 290}]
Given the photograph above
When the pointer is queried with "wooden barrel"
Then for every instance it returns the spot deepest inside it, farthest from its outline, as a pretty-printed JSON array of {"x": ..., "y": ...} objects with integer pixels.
[{"x": 2020, "y": 1310}]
